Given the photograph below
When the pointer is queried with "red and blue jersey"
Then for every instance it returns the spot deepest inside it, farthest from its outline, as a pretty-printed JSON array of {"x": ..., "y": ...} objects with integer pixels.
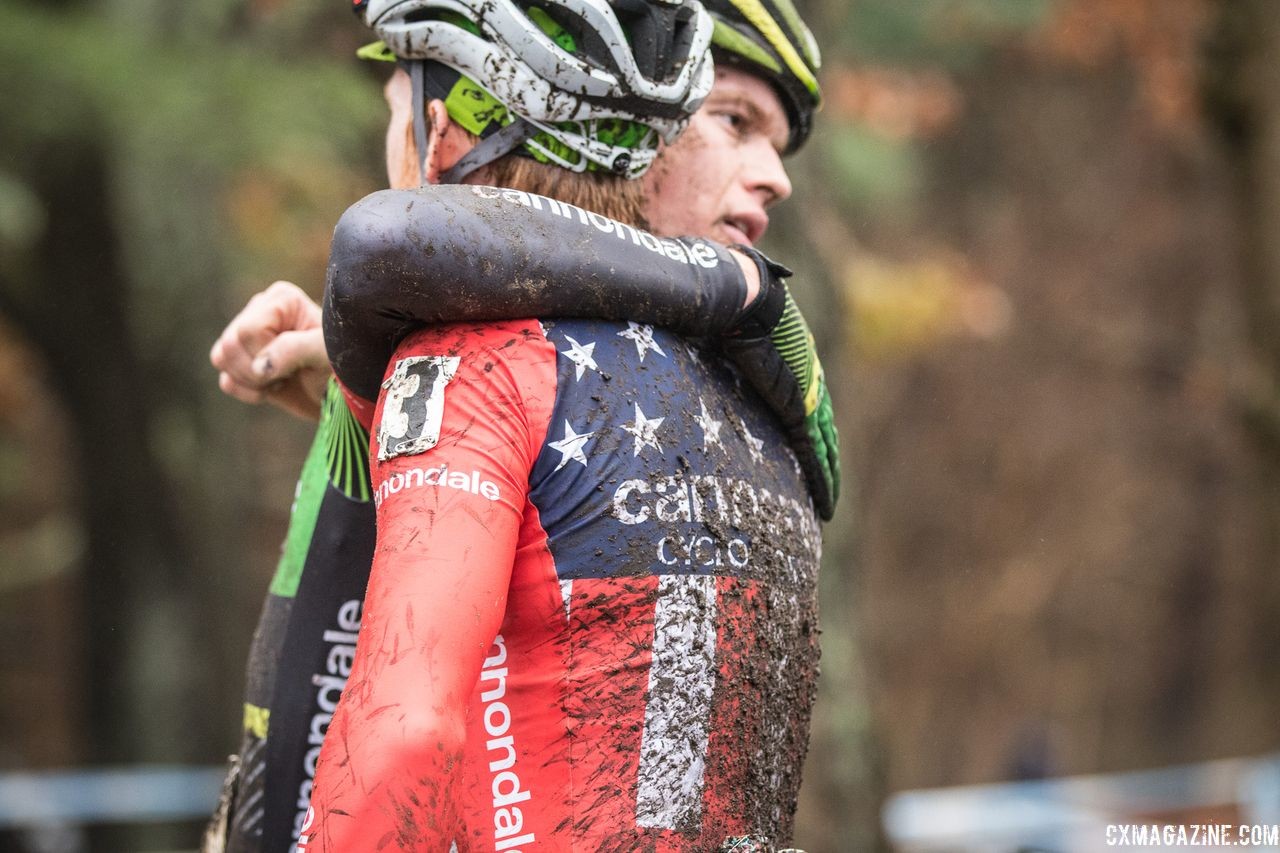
[{"x": 611, "y": 531}]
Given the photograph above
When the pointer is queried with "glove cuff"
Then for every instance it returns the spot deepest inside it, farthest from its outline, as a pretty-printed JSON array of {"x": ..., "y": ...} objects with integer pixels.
[{"x": 758, "y": 319}]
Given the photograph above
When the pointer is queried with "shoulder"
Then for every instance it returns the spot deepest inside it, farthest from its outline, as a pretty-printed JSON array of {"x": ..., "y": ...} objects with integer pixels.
[
  {"x": 504, "y": 360},
  {"x": 491, "y": 383},
  {"x": 506, "y": 339}
]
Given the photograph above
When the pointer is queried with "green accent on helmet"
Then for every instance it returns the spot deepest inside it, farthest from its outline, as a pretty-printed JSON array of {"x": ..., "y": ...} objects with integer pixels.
[
  {"x": 758, "y": 16},
  {"x": 556, "y": 147},
  {"x": 547, "y": 24},
  {"x": 617, "y": 131},
  {"x": 377, "y": 51},
  {"x": 473, "y": 108},
  {"x": 727, "y": 38},
  {"x": 470, "y": 104},
  {"x": 476, "y": 110},
  {"x": 769, "y": 39},
  {"x": 627, "y": 134},
  {"x": 803, "y": 36}
]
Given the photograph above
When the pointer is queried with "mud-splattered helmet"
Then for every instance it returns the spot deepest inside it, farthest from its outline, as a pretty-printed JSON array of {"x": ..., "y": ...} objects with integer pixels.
[
  {"x": 768, "y": 38},
  {"x": 585, "y": 84}
]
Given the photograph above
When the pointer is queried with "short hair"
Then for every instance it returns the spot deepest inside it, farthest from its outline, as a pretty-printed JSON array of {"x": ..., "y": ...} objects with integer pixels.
[
  {"x": 611, "y": 195},
  {"x": 608, "y": 194}
]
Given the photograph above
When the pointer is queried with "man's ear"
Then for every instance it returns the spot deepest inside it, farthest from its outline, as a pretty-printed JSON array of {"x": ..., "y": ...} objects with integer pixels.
[{"x": 447, "y": 142}]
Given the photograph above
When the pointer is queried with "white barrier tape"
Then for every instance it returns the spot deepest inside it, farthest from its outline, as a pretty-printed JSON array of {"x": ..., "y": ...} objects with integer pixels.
[
  {"x": 1053, "y": 808},
  {"x": 108, "y": 795}
]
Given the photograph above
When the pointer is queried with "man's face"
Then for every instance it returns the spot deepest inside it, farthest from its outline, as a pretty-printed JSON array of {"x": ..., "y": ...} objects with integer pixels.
[{"x": 717, "y": 180}]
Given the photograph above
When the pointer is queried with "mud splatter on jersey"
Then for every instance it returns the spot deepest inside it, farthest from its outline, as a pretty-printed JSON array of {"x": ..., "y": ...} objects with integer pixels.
[{"x": 651, "y": 682}]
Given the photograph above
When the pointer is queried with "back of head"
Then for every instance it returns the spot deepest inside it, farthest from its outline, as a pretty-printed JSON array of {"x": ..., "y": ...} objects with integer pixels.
[
  {"x": 566, "y": 97},
  {"x": 769, "y": 39}
]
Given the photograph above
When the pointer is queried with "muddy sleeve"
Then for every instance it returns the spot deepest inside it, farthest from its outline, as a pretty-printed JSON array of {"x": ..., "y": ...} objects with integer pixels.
[
  {"x": 388, "y": 770},
  {"x": 402, "y": 259}
]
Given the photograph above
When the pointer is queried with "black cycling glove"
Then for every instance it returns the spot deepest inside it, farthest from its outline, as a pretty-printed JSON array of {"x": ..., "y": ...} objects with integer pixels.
[{"x": 774, "y": 350}]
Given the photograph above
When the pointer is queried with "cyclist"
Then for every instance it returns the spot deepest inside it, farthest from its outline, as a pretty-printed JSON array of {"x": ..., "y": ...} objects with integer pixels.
[
  {"x": 587, "y": 624},
  {"x": 330, "y": 503}
]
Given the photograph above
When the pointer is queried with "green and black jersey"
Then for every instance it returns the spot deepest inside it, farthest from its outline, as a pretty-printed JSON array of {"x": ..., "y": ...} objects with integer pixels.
[{"x": 305, "y": 640}]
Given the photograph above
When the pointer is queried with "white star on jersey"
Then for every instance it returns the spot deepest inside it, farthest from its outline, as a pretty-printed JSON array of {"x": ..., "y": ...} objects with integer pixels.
[
  {"x": 580, "y": 356},
  {"x": 570, "y": 447},
  {"x": 754, "y": 445},
  {"x": 795, "y": 463},
  {"x": 694, "y": 354},
  {"x": 645, "y": 431},
  {"x": 642, "y": 336},
  {"x": 710, "y": 428}
]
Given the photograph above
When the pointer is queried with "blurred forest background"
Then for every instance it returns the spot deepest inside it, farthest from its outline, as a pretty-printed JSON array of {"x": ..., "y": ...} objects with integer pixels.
[{"x": 1041, "y": 243}]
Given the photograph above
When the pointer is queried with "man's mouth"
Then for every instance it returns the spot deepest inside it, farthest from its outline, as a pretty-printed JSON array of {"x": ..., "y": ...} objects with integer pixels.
[{"x": 745, "y": 228}]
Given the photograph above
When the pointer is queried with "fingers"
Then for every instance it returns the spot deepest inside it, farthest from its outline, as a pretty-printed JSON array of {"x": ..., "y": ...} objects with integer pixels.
[
  {"x": 833, "y": 462},
  {"x": 290, "y": 353},
  {"x": 244, "y": 393},
  {"x": 281, "y": 309},
  {"x": 302, "y": 399},
  {"x": 298, "y": 396}
]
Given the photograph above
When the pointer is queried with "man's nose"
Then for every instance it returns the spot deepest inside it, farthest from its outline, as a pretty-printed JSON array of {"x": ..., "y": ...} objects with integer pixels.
[{"x": 765, "y": 176}]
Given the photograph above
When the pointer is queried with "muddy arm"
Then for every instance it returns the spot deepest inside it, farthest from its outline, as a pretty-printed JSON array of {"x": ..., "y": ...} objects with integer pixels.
[{"x": 402, "y": 259}]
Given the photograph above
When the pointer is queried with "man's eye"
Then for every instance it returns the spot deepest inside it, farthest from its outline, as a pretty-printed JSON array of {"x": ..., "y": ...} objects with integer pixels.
[{"x": 736, "y": 121}]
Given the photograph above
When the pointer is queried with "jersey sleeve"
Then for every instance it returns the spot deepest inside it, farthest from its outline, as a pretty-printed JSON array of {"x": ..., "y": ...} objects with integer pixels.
[
  {"x": 402, "y": 259},
  {"x": 459, "y": 423}
]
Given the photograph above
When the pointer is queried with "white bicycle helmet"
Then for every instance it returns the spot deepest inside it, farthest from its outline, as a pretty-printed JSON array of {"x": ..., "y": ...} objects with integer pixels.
[{"x": 571, "y": 78}]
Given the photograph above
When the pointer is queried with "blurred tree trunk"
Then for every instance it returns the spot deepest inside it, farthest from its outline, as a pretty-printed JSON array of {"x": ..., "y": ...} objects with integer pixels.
[
  {"x": 1243, "y": 95},
  {"x": 72, "y": 305},
  {"x": 152, "y": 177}
]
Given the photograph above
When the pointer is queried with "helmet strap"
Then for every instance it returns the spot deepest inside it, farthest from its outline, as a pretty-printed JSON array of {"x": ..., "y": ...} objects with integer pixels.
[
  {"x": 488, "y": 149},
  {"x": 416, "y": 75}
]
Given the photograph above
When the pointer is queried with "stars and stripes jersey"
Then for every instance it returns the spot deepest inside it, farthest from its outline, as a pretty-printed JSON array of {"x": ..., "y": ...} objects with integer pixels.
[{"x": 591, "y": 622}]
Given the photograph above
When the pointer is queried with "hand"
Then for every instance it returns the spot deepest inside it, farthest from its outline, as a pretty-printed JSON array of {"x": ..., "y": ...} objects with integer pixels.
[
  {"x": 273, "y": 351},
  {"x": 795, "y": 345},
  {"x": 783, "y": 367}
]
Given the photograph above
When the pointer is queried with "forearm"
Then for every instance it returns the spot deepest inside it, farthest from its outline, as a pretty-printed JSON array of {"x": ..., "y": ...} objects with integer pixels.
[
  {"x": 403, "y": 259},
  {"x": 391, "y": 757},
  {"x": 396, "y": 794}
]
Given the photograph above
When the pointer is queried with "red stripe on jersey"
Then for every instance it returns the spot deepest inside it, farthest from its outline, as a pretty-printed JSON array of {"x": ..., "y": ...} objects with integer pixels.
[
  {"x": 754, "y": 754},
  {"x": 611, "y": 629},
  {"x": 736, "y": 724}
]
